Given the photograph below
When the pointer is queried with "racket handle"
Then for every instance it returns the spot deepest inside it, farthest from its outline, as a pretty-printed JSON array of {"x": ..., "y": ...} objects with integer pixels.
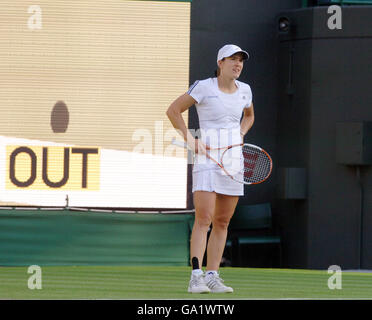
[{"x": 180, "y": 143}]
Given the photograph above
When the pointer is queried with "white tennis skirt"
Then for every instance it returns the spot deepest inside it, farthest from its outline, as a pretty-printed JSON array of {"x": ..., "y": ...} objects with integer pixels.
[{"x": 216, "y": 181}]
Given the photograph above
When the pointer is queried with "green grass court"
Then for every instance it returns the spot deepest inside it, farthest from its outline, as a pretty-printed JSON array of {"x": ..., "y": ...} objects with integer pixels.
[{"x": 132, "y": 282}]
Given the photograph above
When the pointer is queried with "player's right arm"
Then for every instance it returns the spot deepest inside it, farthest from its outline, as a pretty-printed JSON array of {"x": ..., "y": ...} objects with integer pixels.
[{"x": 174, "y": 113}]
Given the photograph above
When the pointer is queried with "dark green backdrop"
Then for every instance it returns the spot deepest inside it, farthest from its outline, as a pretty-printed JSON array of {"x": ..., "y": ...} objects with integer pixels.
[{"x": 93, "y": 238}]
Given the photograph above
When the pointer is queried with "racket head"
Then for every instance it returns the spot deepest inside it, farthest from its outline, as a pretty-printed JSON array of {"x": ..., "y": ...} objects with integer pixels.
[{"x": 247, "y": 163}]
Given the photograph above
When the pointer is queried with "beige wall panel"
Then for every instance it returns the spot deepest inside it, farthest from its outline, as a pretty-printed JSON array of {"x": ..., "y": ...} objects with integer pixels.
[{"x": 117, "y": 65}]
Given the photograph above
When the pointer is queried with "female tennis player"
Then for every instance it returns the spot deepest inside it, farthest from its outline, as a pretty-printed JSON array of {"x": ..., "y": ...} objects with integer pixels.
[{"x": 220, "y": 103}]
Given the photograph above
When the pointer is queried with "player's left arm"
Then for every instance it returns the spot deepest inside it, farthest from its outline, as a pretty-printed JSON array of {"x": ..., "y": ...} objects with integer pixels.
[{"x": 247, "y": 120}]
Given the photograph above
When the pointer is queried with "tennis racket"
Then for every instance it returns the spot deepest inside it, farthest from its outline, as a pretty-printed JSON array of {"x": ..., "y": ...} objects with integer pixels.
[{"x": 244, "y": 163}]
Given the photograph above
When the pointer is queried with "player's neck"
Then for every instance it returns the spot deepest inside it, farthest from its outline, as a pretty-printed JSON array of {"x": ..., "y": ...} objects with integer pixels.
[{"x": 226, "y": 85}]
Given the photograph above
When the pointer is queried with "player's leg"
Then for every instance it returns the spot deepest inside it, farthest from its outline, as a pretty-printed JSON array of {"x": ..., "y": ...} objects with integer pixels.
[
  {"x": 224, "y": 210},
  {"x": 204, "y": 203}
]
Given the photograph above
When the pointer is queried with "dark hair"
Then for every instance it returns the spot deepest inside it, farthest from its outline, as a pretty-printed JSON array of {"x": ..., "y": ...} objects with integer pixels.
[{"x": 218, "y": 70}]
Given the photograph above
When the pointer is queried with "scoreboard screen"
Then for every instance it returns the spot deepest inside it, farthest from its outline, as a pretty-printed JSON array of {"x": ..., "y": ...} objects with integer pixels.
[{"x": 84, "y": 90}]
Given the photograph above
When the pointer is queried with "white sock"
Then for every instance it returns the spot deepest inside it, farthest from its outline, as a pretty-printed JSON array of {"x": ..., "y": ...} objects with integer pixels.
[
  {"x": 197, "y": 272},
  {"x": 211, "y": 272}
]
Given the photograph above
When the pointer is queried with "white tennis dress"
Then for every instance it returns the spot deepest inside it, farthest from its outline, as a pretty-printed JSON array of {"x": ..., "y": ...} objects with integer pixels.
[{"x": 219, "y": 121}]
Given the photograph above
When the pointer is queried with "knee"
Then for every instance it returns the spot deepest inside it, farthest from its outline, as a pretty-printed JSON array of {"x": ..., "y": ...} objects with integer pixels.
[
  {"x": 221, "y": 223},
  {"x": 203, "y": 222}
]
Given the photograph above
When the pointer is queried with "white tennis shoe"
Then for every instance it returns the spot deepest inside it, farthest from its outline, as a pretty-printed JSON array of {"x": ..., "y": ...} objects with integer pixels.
[
  {"x": 197, "y": 284},
  {"x": 215, "y": 284}
]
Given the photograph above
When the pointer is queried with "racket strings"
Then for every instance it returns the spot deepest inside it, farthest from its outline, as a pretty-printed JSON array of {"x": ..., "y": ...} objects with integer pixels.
[{"x": 257, "y": 165}]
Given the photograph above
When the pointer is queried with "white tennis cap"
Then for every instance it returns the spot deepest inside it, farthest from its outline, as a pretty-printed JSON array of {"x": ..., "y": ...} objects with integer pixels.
[{"x": 230, "y": 49}]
